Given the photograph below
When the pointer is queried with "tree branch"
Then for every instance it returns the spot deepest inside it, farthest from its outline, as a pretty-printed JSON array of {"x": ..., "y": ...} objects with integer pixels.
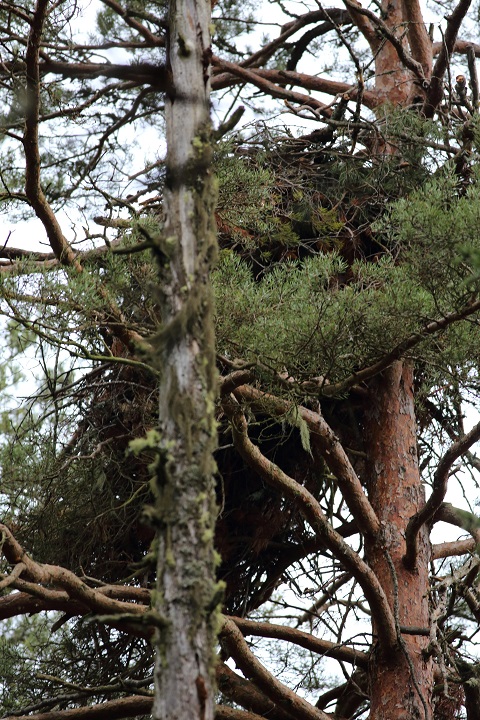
[
  {"x": 268, "y": 80},
  {"x": 126, "y": 15},
  {"x": 408, "y": 61},
  {"x": 270, "y": 88},
  {"x": 418, "y": 37},
  {"x": 33, "y": 189},
  {"x": 449, "y": 549},
  {"x": 289, "y": 29},
  {"x": 55, "y": 578},
  {"x": 400, "y": 350},
  {"x": 440, "y": 485},
  {"x": 303, "y": 639},
  {"x": 364, "y": 24},
  {"x": 435, "y": 91},
  {"x": 254, "y": 670},
  {"x": 331, "y": 449},
  {"x": 111, "y": 710},
  {"x": 313, "y": 513},
  {"x": 246, "y": 694}
]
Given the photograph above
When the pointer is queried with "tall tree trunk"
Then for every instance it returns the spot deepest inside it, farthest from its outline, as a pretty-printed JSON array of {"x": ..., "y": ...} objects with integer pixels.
[
  {"x": 184, "y": 513},
  {"x": 401, "y": 682}
]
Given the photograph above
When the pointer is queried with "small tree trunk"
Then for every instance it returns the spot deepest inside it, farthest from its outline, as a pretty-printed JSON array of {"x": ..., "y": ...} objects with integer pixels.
[
  {"x": 402, "y": 682},
  {"x": 184, "y": 512}
]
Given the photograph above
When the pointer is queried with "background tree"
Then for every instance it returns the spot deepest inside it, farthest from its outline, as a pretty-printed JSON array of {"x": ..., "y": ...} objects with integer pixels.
[{"x": 347, "y": 345}]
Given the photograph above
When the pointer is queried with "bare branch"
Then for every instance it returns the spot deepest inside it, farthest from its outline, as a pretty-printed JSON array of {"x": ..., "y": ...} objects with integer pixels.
[
  {"x": 449, "y": 549},
  {"x": 289, "y": 29},
  {"x": 460, "y": 47},
  {"x": 224, "y": 712},
  {"x": 435, "y": 92},
  {"x": 110, "y": 710},
  {"x": 246, "y": 694},
  {"x": 303, "y": 639},
  {"x": 418, "y": 37},
  {"x": 472, "y": 69},
  {"x": 253, "y": 669},
  {"x": 126, "y": 15},
  {"x": 364, "y": 24},
  {"x": 58, "y": 578},
  {"x": 253, "y": 77},
  {"x": 407, "y": 59},
  {"x": 440, "y": 485},
  {"x": 289, "y": 77},
  {"x": 33, "y": 188}
]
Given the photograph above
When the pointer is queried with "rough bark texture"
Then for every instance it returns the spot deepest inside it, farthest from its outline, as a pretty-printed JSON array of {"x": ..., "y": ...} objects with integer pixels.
[
  {"x": 402, "y": 681},
  {"x": 187, "y": 595}
]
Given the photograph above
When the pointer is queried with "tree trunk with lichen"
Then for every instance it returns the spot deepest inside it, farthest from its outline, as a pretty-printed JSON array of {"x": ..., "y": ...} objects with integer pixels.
[
  {"x": 186, "y": 598},
  {"x": 401, "y": 683}
]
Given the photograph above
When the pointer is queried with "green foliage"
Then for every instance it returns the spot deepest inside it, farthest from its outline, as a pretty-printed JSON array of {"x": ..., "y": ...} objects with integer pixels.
[{"x": 299, "y": 318}]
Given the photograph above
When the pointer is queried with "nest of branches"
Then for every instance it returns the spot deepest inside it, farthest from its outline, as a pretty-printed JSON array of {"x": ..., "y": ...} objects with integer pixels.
[{"x": 88, "y": 512}]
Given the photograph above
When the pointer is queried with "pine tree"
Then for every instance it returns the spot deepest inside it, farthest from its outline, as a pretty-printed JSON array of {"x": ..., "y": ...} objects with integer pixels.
[{"x": 346, "y": 295}]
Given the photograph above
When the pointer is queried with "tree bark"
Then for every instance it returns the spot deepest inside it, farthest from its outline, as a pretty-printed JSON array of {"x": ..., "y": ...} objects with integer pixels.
[
  {"x": 184, "y": 512},
  {"x": 402, "y": 681}
]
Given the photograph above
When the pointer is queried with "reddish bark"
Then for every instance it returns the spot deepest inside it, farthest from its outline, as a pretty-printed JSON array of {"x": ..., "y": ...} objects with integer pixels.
[{"x": 402, "y": 681}]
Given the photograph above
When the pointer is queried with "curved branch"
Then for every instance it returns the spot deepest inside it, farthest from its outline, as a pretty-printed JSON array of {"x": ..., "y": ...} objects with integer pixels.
[
  {"x": 301, "y": 45},
  {"x": 33, "y": 189},
  {"x": 408, "y": 61},
  {"x": 253, "y": 669},
  {"x": 289, "y": 29},
  {"x": 461, "y": 47},
  {"x": 126, "y": 15},
  {"x": 303, "y": 639},
  {"x": 269, "y": 81},
  {"x": 313, "y": 513},
  {"x": 331, "y": 450},
  {"x": 254, "y": 77},
  {"x": 435, "y": 92},
  {"x": 246, "y": 694},
  {"x": 365, "y": 26},
  {"x": 56, "y": 577},
  {"x": 440, "y": 485}
]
